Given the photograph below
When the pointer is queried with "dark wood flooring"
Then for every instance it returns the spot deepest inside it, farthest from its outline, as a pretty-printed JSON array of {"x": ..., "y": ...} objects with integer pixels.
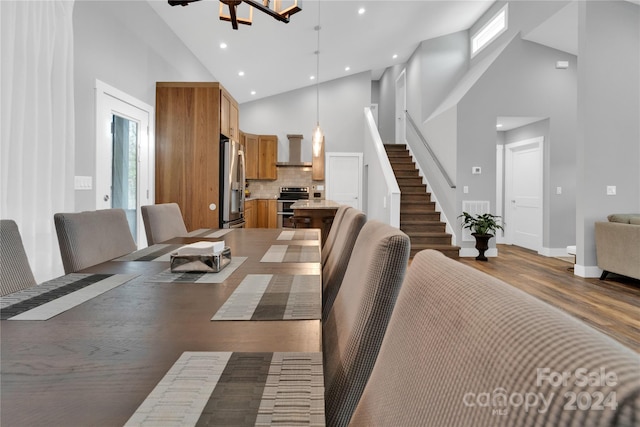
[{"x": 612, "y": 305}]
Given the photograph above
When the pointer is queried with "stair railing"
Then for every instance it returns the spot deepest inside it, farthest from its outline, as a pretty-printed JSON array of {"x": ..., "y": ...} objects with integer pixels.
[{"x": 431, "y": 153}]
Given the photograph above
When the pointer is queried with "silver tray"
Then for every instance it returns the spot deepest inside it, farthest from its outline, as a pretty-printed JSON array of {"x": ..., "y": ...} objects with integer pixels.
[{"x": 200, "y": 263}]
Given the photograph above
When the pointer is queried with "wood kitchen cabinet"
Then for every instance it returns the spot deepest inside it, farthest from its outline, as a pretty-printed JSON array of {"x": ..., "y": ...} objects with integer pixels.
[
  {"x": 267, "y": 213},
  {"x": 188, "y": 129},
  {"x": 229, "y": 117},
  {"x": 250, "y": 213},
  {"x": 261, "y": 154}
]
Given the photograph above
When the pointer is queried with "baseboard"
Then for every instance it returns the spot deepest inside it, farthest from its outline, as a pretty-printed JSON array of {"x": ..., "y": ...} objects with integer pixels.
[
  {"x": 472, "y": 252},
  {"x": 554, "y": 252},
  {"x": 588, "y": 271}
]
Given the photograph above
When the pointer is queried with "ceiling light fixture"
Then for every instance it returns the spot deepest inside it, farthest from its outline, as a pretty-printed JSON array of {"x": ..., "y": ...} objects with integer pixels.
[
  {"x": 361, "y": 11},
  {"x": 279, "y": 11},
  {"x": 223, "y": 45}
]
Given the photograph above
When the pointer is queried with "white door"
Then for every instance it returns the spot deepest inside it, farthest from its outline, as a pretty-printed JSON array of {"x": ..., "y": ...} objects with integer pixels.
[
  {"x": 344, "y": 178},
  {"x": 401, "y": 106},
  {"x": 523, "y": 193},
  {"x": 124, "y": 156}
]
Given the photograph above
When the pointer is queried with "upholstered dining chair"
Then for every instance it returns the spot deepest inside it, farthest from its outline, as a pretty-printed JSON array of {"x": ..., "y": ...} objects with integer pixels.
[
  {"x": 15, "y": 273},
  {"x": 89, "y": 238},
  {"x": 163, "y": 222},
  {"x": 335, "y": 266},
  {"x": 333, "y": 232},
  {"x": 458, "y": 335},
  {"x": 355, "y": 326}
]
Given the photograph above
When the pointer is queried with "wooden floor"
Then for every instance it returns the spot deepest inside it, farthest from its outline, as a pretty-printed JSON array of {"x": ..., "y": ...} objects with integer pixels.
[{"x": 612, "y": 305}]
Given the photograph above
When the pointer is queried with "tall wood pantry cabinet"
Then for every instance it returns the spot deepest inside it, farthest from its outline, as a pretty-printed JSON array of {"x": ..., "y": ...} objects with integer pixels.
[{"x": 188, "y": 129}]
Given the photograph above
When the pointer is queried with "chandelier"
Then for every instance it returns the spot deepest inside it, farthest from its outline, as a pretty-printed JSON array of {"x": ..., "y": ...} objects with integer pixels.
[{"x": 281, "y": 9}]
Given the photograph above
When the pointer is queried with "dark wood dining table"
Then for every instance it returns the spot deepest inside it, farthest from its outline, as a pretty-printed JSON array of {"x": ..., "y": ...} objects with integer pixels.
[{"x": 94, "y": 364}]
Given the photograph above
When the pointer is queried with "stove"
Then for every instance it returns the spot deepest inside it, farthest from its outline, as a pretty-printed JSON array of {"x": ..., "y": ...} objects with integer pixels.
[{"x": 287, "y": 197}]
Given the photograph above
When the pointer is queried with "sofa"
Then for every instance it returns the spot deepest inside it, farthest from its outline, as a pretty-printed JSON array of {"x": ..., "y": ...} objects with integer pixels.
[{"x": 618, "y": 245}]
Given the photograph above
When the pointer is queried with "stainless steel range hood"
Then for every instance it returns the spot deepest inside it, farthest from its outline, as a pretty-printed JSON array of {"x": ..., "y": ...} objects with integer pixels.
[{"x": 295, "y": 153}]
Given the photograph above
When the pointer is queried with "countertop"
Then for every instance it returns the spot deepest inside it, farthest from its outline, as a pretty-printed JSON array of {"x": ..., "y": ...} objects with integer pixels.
[{"x": 315, "y": 204}]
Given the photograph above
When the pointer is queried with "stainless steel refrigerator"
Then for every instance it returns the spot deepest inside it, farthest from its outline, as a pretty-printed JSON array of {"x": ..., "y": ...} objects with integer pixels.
[{"x": 232, "y": 179}]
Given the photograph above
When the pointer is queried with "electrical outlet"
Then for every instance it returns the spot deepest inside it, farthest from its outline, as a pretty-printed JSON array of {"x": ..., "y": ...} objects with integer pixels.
[
  {"x": 558, "y": 190},
  {"x": 611, "y": 190},
  {"x": 465, "y": 189}
]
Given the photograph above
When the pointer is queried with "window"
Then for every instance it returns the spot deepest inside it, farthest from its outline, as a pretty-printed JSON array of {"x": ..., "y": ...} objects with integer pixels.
[{"x": 490, "y": 31}]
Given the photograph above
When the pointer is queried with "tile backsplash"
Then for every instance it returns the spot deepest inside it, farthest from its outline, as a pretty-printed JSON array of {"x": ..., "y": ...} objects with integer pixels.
[{"x": 287, "y": 177}]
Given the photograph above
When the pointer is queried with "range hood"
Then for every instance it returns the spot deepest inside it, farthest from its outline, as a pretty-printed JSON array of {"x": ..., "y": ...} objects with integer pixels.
[{"x": 295, "y": 155}]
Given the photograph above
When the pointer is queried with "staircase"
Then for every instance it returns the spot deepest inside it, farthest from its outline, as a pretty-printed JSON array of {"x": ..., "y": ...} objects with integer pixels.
[{"x": 418, "y": 216}]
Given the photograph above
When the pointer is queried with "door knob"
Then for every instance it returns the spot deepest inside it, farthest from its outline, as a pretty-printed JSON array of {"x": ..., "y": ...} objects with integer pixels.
[{"x": 106, "y": 198}]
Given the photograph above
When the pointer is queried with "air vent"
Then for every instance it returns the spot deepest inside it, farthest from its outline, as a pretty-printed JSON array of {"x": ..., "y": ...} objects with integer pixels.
[{"x": 473, "y": 207}]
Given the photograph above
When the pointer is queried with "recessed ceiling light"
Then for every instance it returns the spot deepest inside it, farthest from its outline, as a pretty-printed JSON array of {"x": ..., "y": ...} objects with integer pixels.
[
  {"x": 498, "y": 125},
  {"x": 241, "y": 73},
  {"x": 223, "y": 45},
  {"x": 361, "y": 11},
  {"x": 347, "y": 68},
  {"x": 312, "y": 77},
  {"x": 395, "y": 55},
  {"x": 253, "y": 92}
]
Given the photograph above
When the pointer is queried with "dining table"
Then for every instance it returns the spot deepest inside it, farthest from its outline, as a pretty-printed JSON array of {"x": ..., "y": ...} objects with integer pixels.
[{"x": 129, "y": 342}]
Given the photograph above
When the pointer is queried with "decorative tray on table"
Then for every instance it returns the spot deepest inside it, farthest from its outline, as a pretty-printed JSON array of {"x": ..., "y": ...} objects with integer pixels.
[{"x": 201, "y": 257}]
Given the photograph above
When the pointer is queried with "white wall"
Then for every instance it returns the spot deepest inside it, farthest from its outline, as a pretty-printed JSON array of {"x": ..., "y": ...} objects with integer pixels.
[{"x": 341, "y": 104}]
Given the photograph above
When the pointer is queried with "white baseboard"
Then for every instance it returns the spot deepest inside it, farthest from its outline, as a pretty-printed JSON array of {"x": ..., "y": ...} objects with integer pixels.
[
  {"x": 472, "y": 252},
  {"x": 587, "y": 271},
  {"x": 553, "y": 252}
]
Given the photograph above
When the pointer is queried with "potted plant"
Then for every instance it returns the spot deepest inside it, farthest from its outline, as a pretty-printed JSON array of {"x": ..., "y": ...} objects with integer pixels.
[{"x": 483, "y": 228}]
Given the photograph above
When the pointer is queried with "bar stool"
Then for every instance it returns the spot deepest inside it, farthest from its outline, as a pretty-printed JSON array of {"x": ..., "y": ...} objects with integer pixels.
[{"x": 301, "y": 221}]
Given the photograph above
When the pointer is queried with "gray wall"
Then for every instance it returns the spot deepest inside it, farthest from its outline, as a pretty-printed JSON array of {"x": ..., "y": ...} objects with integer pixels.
[
  {"x": 387, "y": 107},
  {"x": 609, "y": 118},
  {"x": 126, "y": 45},
  {"x": 342, "y": 104},
  {"x": 523, "y": 81}
]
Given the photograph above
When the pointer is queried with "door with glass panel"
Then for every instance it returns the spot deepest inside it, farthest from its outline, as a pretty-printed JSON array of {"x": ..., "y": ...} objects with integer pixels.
[{"x": 123, "y": 157}]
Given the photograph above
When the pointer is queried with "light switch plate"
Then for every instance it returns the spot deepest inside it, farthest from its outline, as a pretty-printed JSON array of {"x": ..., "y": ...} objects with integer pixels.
[
  {"x": 83, "y": 182},
  {"x": 611, "y": 190}
]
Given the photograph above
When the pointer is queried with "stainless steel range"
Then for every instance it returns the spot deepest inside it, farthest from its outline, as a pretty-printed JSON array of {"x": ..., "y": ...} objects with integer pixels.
[{"x": 287, "y": 197}]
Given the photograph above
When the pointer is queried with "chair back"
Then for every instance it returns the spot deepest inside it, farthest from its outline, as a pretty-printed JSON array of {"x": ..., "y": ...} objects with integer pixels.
[
  {"x": 15, "y": 273},
  {"x": 89, "y": 238},
  {"x": 353, "y": 331},
  {"x": 333, "y": 232},
  {"x": 163, "y": 222},
  {"x": 465, "y": 349},
  {"x": 336, "y": 263}
]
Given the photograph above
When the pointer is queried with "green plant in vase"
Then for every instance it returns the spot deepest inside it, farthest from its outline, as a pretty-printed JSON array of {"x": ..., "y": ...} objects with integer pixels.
[{"x": 483, "y": 227}]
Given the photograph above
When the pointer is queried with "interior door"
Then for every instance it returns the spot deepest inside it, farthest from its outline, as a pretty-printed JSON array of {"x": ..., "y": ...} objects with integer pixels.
[
  {"x": 401, "y": 106},
  {"x": 523, "y": 193},
  {"x": 124, "y": 156},
  {"x": 344, "y": 178}
]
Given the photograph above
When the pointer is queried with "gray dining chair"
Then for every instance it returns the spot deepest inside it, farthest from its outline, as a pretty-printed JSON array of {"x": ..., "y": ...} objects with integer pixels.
[
  {"x": 333, "y": 232},
  {"x": 335, "y": 266},
  {"x": 355, "y": 326},
  {"x": 457, "y": 333},
  {"x": 15, "y": 273},
  {"x": 163, "y": 222},
  {"x": 92, "y": 237}
]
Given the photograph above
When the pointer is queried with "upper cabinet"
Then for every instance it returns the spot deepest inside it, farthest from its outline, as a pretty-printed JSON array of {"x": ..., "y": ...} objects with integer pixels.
[
  {"x": 229, "y": 121},
  {"x": 261, "y": 153}
]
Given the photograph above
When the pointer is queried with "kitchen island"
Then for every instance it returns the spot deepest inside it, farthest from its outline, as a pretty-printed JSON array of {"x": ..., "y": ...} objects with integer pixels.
[{"x": 319, "y": 212}]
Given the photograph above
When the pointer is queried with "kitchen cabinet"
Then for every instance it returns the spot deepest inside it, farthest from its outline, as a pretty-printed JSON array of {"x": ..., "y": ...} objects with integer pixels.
[
  {"x": 261, "y": 154},
  {"x": 188, "y": 120},
  {"x": 250, "y": 213},
  {"x": 267, "y": 213},
  {"x": 229, "y": 117}
]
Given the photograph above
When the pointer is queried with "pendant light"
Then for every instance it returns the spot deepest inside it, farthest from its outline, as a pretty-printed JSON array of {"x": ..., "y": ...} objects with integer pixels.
[{"x": 318, "y": 136}]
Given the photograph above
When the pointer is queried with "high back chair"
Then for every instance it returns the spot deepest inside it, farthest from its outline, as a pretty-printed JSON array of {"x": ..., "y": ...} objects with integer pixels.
[
  {"x": 335, "y": 266},
  {"x": 333, "y": 232},
  {"x": 463, "y": 348},
  {"x": 15, "y": 273},
  {"x": 92, "y": 237},
  {"x": 163, "y": 222},
  {"x": 355, "y": 326}
]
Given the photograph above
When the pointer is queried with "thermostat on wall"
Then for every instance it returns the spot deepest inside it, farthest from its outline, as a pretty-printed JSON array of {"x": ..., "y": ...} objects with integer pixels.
[{"x": 476, "y": 170}]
